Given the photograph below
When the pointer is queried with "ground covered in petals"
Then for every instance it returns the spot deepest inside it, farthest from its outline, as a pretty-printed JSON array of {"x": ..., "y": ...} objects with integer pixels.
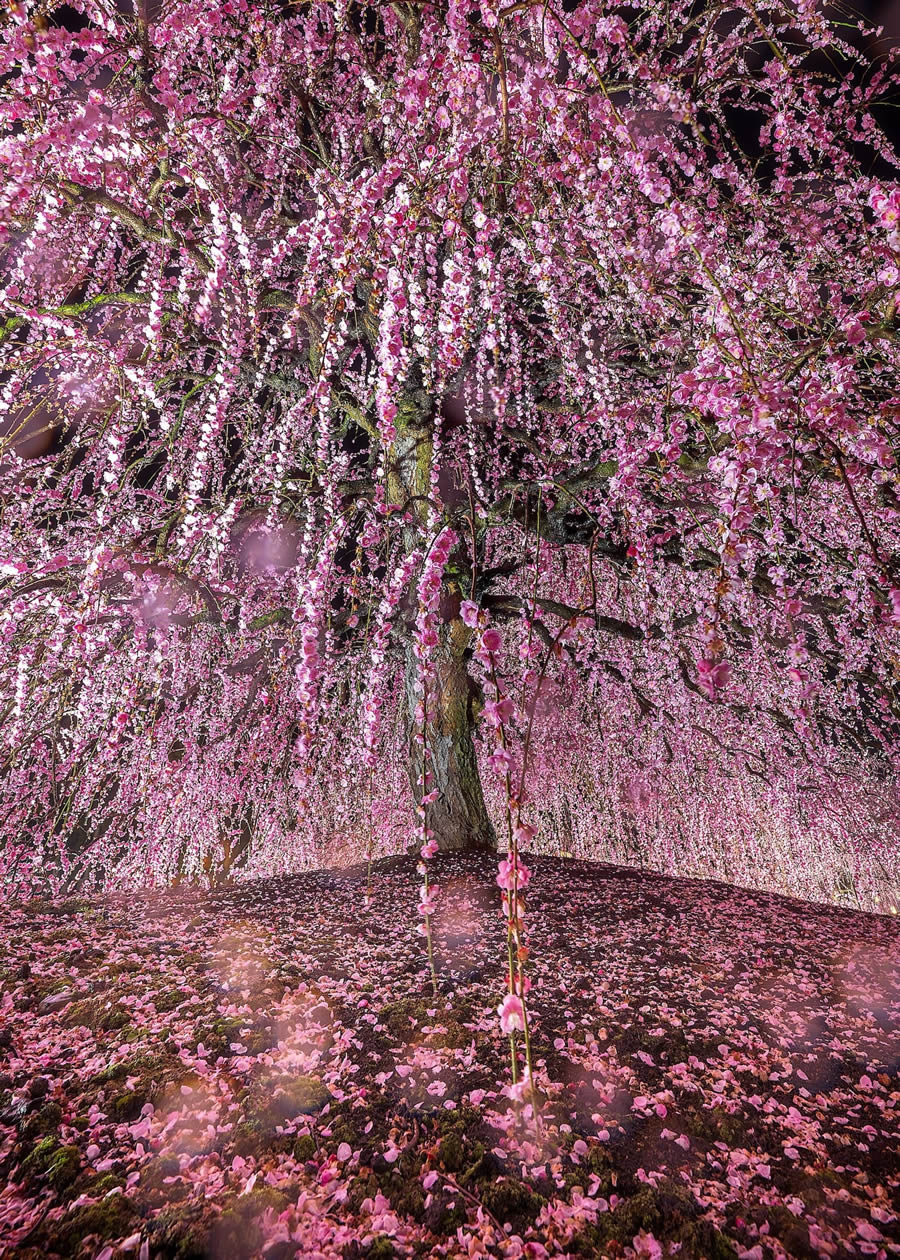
[{"x": 263, "y": 1070}]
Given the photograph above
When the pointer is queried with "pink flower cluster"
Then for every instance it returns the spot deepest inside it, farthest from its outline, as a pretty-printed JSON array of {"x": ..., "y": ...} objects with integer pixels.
[
  {"x": 714, "y": 676},
  {"x": 373, "y": 701},
  {"x": 886, "y": 205},
  {"x": 429, "y": 593},
  {"x": 403, "y": 329}
]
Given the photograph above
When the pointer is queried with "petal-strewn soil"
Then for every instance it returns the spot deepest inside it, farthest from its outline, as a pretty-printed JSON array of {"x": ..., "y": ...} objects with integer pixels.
[{"x": 263, "y": 1070}]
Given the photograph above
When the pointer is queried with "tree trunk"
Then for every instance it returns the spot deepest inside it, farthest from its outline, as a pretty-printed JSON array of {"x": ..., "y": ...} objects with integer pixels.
[{"x": 458, "y": 818}]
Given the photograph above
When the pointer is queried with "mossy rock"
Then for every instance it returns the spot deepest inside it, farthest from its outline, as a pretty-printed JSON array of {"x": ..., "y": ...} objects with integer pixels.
[
  {"x": 400, "y": 1184},
  {"x": 825, "y": 1177},
  {"x": 466, "y": 1118},
  {"x": 60, "y": 1164},
  {"x": 81, "y": 1014},
  {"x": 641, "y": 1211},
  {"x": 715, "y": 1124},
  {"x": 484, "y": 1167},
  {"x": 343, "y": 1129},
  {"x": 669, "y": 1214},
  {"x": 166, "y": 1002},
  {"x": 46, "y": 1121},
  {"x": 305, "y": 1148},
  {"x": 796, "y": 1242},
  {"x": 586, "y": 1242},
  {"x": 126, "y": 1106},
  {"x": 701, "y": 1123},
  {"x": 701, "y": 1238},
  {"x": 64, "y": 1167},
  {"x": 164, "y": 1166},
  {"x": 407, "y": 1198},
  {"x": 457, "y": 1035},
  {"x": 112, "y": 1020},
  {"x": 458, "y": 1145},
  {"x": 255, "y": 1135},
  {"x": 403, "y": 1017},
  {"x": 37, "y": 1161},
  {"x": 510, "y": 1200},
  {"x": 252, "y": 1137},
  {"x": 93, "y": 1013},
  {"x": 182, "y": 1232},
  {"x": 237, "y": 1232},
  {"x": 783, "y": 1225},
  {"x": 222, "y": 1033},
  {"x": 667, "y": 1211},
  {"x": 260, "y": 1041},
  {"x": 599, "y": 1160},
  {"x": 59, "y": 936},
  {"x": 260, "y": 1200},
  {"x": 442, "y": 1218},
  {"x": 113, "y": 1072},
  {"x": 124, "y": 968},
  {"x": 112, "y": 1218},
  {"x": 667, "y": 1204},
  {"x": 46, "y": 988},
  {"x": 153, "y": 1069},
  {"x": 297, "y": 1096},
  {"x": 452, "y": 1152},
  {"x": 153, "y": 1182},
  {"x": 234, "y": 1236},
  {"x": 730, "y": 1128},
  {"x": 107, "y": 1182},
  {"x": 672, "y": 1042},
  {"x": 360, "y": 1188}
]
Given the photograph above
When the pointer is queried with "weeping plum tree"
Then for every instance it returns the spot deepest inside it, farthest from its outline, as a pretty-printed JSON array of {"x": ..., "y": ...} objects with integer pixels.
[{"x": 385, "y": 376}]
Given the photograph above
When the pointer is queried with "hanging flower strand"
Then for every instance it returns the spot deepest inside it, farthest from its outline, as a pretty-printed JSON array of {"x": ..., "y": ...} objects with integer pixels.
[
  {"x": 425, "y": 642},
  {"x": 513, "y": 875}
]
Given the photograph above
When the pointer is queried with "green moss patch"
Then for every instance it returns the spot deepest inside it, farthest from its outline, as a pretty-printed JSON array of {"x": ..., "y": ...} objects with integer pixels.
[{"x": 59, "y": 1164}]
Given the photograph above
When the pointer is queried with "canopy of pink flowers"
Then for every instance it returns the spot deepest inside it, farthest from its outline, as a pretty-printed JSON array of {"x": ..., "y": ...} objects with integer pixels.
[{"x": 289, "y": 291}]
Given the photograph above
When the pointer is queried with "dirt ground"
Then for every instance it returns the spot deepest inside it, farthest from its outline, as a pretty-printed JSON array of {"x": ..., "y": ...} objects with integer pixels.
[{"x": 264, "y": 1071}]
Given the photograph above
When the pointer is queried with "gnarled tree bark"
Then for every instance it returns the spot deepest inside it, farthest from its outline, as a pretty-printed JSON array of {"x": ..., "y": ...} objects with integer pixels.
[{"x": 458, "y": 818}]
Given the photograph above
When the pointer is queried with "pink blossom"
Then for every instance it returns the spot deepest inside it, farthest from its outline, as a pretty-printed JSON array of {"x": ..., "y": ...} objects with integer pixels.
[
  {"x": 512, "y": 875},
  {"x": 854, "y": 331},
  {"x": 497, "y": 712},
  {"x": 469, "y": 613},
  {"x": 646, "y": 1245},
  {"x": 868, "y": 1232},
  {"x": 714, "y": 675},
  {"x": 500, "y": 760},
  {"x": 512, "y": 1013}
]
